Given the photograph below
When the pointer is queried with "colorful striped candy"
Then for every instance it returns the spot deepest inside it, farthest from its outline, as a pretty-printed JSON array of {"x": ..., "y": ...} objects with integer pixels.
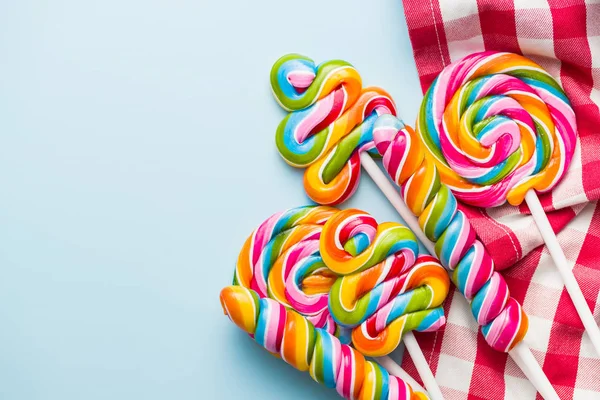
[
  {"x": 503, "y": 322},
  {"x": 497, "y": 125},
  {"x": 288, "y": 334},
  {"x": 385, "y": 288},
  {"x": 330, "y": 123},
  {"x": 281, "y": 260}
]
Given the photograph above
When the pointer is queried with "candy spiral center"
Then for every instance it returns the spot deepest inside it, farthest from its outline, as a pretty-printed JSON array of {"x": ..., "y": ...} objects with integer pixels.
[
  {"x": 281, "y": 260},
  {"x": 497, "y": 125}
]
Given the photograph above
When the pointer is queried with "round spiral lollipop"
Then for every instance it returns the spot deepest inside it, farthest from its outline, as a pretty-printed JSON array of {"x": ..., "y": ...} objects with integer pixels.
[
  {"x": 385, "y": 289},
  {"x": 288, "y": 334},
  {"x": 497, "y": 125},
  {"x": 503, "y": 321},
  {"x": 281, "y": 260},
  {"x": 330, "y": 123}
]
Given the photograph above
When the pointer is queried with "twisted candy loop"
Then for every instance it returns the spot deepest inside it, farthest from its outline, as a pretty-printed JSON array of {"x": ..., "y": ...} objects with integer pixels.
[
  {"x": 330, "y": 124},
  {"x": 273, "y": 237},
  {"x": 504, "y": 323},
  {"x": 293, "y": 75},
  {"x": 286, "y": 333},
  {"x": 385, "y": 290},
  {"x": 497, "y": 125},
  {"x": 300, "y": 280},
  {"x": 281, "y": 260}
]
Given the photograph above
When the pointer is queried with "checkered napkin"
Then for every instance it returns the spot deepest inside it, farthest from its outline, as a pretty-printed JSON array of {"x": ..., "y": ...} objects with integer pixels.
[{"x": 563, "y": 36}]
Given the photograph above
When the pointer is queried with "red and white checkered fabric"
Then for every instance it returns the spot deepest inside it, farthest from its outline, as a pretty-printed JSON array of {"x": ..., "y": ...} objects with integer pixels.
[{"x": 564, "y": 37}]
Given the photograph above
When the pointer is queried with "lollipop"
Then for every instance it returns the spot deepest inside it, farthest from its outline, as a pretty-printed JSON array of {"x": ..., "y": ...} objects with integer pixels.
[
  {"x": 379, "y": 266},
  {"x": 330, "y": 126},
  {"x": 499, "y": 128},
  {"x": 317, "y": 134},
  {"x": 292, "y": 337},
  {"x": 281, "y": 260}
]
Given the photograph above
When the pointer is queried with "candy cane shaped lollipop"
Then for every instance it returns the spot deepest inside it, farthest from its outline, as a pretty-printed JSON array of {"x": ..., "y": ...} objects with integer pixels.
[
  {"x": 448, "y": 231},
  {"x": 281, "y": 260},
  {"x": 288, "y": 334},
  {"x": 500, "y": 128}
]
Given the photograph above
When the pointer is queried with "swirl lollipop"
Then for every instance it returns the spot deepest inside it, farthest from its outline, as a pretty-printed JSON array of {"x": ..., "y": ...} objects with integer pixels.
[
  {"x": 292, "y": 337},
  {"x": 499, "y": 128}
]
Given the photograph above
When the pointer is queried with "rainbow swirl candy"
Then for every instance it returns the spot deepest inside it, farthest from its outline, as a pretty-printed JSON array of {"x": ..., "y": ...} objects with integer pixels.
[
  {"x": 281, "y": 260},
  {"x": 503, "y": 321},
  {"x": 286, "y": 333},
  {"x": 330, "y": 124},
  {"x": 385, "y": 289},
  {"x": 497, "y": 125}
]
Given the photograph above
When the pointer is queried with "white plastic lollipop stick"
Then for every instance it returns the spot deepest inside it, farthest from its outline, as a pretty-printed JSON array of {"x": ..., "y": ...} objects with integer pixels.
[
  {"x": 394, "y": 369},
  {"x": 412, "y": 346},
  {"x": 520, "y": 353},
  {"x": 565, "y": 271}
]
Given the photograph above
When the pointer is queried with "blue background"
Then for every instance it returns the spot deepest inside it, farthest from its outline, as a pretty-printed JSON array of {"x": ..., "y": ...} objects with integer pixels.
[{"x": 137, "y": 153}]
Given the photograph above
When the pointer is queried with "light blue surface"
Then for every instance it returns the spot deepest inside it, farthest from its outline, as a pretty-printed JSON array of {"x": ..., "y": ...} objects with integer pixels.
[{"x": 137, "y": 153}]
